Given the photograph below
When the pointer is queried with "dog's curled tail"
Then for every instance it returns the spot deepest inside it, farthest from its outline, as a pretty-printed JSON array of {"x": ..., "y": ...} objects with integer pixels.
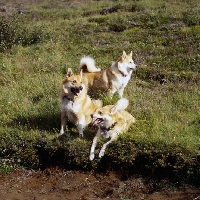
[
  {"x": 121, "y": 104},
  {"x": 87, "y": 64}
]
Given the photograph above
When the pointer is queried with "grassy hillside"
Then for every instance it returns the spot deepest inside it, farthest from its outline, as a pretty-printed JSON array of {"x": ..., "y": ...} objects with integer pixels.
[{"x": 39, "y": 41}]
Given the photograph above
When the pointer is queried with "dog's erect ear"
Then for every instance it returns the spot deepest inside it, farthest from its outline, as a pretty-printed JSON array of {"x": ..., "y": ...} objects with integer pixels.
[
  {"x": 65, "y": 89},
  {"x": 131, "y": 54},
  {"x": 123, "y": 55},
  {"x": 69, "y": 72},
  {"x": 120, "y": 105}
]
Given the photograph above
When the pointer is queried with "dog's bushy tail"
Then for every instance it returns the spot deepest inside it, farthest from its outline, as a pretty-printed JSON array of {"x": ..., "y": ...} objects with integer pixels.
[
  {"x": 87, "y": 64},
  {"x": 121, "y": 104}
]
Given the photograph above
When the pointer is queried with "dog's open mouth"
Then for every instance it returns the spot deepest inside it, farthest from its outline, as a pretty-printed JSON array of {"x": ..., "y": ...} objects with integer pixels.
[
  {"x": 76, "y": 90},
  {"x": 96, "y": 121}
]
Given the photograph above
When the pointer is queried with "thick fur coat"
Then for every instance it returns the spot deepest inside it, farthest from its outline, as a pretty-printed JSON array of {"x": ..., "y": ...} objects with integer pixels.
[
  {"x": 111, "y": 121},
  {"x": 76, "y": 105},
  {"x": 111, "y": 80}
]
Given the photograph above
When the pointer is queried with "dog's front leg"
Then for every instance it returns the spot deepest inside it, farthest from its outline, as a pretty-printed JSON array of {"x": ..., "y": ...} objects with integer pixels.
[
  {"x": 81, "y": 124},
  {"x": 101, "y": 154},
  {"x": 94, "y": 144},
  {"x": 80, "y": 130},
  {"x": 120, "y": 92},
  {"x": 63, "y": 122}
]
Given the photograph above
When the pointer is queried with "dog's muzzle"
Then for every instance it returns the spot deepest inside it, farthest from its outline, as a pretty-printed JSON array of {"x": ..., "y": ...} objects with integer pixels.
[
  {"x": 95, "y": 121},
  {"x": 134, "y": 68},
  {"x": 76, "y": 90}
]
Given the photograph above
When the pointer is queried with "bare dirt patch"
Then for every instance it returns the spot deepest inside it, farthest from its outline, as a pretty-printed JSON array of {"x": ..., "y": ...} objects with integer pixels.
[{"x": 56, "y": 184}]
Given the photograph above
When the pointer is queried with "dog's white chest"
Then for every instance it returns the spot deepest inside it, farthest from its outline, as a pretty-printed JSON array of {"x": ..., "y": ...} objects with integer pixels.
[
  {"x": 106, "y": 134},
  {"x": 71, "y": 110},
  {"x": 75, "y": 108},
  {"x": 121, "y": 81}
]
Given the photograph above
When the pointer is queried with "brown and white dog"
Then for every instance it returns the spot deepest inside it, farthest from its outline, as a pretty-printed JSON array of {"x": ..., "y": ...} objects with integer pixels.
[
  {"x": 111, "y": 80},
  {"x": 76, "y": 106},
  {"x": 111, "y": 120}
]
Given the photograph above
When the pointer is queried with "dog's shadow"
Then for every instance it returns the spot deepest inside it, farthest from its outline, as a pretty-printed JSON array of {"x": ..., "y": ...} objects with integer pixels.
[
  {"x": 51, "y": 123},
  {"x": 42, "y": 123},
  {"x": 71, "y": 132}
]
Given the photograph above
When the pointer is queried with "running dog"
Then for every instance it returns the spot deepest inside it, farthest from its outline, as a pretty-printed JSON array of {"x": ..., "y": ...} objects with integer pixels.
[
  {"x": 111, "y": 80},
  {"x": 111, "y": 121},
  {"x": 76, "y": 106}
]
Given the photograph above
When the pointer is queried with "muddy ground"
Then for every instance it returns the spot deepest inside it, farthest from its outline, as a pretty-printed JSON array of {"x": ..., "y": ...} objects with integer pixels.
[{"x": 58, "y": 184}]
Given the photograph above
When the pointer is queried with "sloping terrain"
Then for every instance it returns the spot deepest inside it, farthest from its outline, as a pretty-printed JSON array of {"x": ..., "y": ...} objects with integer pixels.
[{"x": 55, "y": 184}]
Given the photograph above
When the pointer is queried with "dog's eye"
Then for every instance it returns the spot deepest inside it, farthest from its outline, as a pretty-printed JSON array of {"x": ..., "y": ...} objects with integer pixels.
[
  {"x": 99, "y": 112},
  {"x": 74, "y": 81}
]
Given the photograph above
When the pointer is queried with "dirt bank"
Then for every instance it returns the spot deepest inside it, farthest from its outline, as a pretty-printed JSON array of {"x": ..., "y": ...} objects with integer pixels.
[{"x": 57, "y": 184}]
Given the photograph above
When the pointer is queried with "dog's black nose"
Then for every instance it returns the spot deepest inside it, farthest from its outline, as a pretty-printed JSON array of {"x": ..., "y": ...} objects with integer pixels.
[
  {"x": 80, "y": 88},
  {"x": 91, "y": 115}
]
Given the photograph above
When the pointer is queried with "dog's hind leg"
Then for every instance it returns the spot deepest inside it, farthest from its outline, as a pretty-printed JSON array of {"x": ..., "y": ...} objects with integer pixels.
[{"x": 111, "y": 92}]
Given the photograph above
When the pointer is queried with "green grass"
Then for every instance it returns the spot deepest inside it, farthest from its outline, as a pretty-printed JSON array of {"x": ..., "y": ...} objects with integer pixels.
[{"x": 165, "y": 40}]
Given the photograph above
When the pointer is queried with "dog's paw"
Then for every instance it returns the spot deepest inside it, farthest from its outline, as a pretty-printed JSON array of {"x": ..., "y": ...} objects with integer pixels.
[
  {"x": 81, "y": 135},
  {"x": 61, "y": 132},
  {"x": 91, "y": 156},
  {"x": 101, "y": 154}
]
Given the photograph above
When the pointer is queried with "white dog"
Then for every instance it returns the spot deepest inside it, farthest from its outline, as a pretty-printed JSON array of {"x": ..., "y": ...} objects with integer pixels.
[{"x": 111, "y": 80}]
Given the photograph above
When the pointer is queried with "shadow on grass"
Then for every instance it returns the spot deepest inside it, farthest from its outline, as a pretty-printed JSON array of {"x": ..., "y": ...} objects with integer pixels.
[
  {"x": 51, "y": 123},
  {"x": 67, "y": 150},
  {"x": 43, "y": 122}
]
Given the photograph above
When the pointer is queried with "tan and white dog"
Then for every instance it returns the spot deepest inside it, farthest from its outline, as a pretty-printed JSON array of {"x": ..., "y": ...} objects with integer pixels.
[
  {"x": 111, "y": 80},
  {"x": 111, "y": 120},
  {"x": 76, "y": 106}
]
